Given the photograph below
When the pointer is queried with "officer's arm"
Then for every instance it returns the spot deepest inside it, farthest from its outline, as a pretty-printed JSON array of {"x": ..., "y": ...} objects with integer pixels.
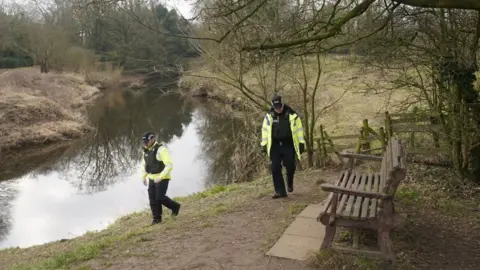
[
  {"x": 265, "y": 131},
  {"x": 163, "y": 155},
  {"x": 142, "y": 169},
  {"x": 299, "y": 130}
]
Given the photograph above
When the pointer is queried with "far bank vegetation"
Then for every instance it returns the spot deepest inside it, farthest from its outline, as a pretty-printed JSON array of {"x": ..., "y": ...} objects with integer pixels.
[{"x": 55, "y": 54}]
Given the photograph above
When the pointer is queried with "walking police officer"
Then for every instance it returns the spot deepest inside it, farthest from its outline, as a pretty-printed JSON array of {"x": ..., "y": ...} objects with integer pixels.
[
  {"x": 283, "y": 141},
  {"x": 156, "y": 168}
]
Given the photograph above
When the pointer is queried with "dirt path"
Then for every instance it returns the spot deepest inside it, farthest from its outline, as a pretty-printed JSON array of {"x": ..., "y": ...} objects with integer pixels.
[{"x": 236, "y": 240}]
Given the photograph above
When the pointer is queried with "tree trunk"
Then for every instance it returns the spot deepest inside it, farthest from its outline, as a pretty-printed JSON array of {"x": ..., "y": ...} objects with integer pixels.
[
  {"x": 43, "y": 67},
  {"x": 310, "y": 157}
]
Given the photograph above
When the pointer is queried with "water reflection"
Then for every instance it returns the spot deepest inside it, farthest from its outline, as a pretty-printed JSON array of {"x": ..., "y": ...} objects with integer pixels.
[
  {"x": 114, "y": 148},
  {"x": 67, "y": 191},
  {"x": 229, "y": 139},
  {"x": 7, "y": 194}
]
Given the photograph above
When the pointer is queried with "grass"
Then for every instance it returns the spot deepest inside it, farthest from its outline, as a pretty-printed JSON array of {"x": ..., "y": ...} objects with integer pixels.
[
  {"x": 37, "y": 108},
  {"x": 198, "y": 207},
  {"x": 330, "y": 259}
]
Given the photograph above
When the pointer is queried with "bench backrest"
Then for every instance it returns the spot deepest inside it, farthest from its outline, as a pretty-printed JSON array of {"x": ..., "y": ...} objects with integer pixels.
[{"x": 393, "y": 169}]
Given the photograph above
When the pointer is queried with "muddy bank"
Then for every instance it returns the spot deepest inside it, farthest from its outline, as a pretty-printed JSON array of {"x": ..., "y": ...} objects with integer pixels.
[
  {"x": 39, "y": 108},
  {"x": 210, "y": 89}
]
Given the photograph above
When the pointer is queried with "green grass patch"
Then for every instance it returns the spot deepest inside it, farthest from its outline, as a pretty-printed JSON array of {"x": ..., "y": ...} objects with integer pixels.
[
  {"x": 331, "y": 259},
  {"x": 407, "y": 194}
]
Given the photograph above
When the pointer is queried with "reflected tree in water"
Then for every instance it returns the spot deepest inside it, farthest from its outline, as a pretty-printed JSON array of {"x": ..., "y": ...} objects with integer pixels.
[
  {"x": 231, "y": 144},
  {"x": 35, "y": 160},
  {"x": 7, "y": 195},
  {"x": 114, "y": 149}
]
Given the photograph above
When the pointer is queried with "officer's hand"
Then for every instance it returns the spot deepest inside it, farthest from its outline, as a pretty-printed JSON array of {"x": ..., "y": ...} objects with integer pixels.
[
  {"x": 145, "y": 181},
  {"x": 302, "y": 148},
  {"x": 158, "y": 179}
]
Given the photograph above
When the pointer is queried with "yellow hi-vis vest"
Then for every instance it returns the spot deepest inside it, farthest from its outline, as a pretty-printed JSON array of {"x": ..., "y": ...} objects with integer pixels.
[
  {"x": 295, "y": 125},
  {"x": 165, "y": 164}
]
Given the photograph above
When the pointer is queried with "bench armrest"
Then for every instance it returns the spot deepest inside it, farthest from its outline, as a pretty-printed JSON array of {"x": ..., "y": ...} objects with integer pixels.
[
  {"x": 360, "y": 156},
  {"x": 365, "y": 194}
]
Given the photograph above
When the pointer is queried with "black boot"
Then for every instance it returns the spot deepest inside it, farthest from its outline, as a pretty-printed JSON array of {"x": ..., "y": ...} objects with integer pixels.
[
  {"x": 276, "y": 196},
  {"x": 176, "y": 211},
  {"x": 156, "y": 221}
]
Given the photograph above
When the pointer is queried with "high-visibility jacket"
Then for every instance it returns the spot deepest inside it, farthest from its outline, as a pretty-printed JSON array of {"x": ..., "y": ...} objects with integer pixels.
[
  {"x": 295, "y": 126},
  {"x": 156, "y": 162}
]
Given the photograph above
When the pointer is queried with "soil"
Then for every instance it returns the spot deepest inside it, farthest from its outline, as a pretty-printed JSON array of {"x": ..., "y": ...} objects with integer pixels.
[{"x": 435, "y": 239}]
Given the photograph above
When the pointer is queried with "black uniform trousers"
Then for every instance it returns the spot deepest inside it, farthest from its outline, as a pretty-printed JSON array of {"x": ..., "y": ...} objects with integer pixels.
[
  {"x": 157, "y": 194},
  {"x": 282, "y": 153}
]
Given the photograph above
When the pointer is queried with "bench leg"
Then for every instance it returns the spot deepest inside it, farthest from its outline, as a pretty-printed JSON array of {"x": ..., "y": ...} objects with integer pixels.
[
  {"x": 356, "y": 238},
  {"x": 329, "y": 235},
  {"x": 385, "y": 244}
]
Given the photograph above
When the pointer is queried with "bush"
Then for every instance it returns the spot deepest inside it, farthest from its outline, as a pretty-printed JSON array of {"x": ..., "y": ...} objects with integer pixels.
[{"x": 13, "y": 62}]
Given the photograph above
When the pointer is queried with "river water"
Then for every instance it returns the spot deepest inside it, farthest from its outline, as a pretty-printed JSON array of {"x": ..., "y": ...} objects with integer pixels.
[{"x": 89, "y": 183}]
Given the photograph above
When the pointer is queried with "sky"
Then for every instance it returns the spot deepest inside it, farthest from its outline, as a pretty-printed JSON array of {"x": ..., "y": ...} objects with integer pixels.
[{"x": 184, "y": 7}]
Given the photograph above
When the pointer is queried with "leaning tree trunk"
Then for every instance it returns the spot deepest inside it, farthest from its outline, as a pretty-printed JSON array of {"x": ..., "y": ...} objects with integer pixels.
[{"x": 44, "y": 67}]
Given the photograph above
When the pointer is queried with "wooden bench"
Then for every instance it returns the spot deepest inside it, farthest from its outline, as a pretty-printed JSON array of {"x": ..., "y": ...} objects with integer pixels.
[{"x": 361, "y": 200}]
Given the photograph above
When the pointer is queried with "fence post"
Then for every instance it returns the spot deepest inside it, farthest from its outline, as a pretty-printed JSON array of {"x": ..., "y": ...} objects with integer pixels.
[
  {"x": 319, "y": 153},
  {"x": 365, "y": 134},
  {"x": 414, "y": 121},
  {"x": 333, "y": 146},
  {"x": 383, "y": 140},
  {"x": 324, "y": 149},
  {"x": 434, "y": 120},
  {"x": 359, "y": 142},
  {"x": 388, "y": 126}
]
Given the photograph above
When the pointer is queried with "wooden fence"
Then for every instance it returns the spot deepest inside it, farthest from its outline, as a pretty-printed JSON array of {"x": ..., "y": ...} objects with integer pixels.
[
  {"x": 360, "y": 143},
  {"x": 411, "y": 126}
]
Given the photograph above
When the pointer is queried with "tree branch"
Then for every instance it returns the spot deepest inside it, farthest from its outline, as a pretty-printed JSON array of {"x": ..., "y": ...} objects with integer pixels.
[
  {"x": 358, "y": 10},
  {"x": 457, "y": 4}
]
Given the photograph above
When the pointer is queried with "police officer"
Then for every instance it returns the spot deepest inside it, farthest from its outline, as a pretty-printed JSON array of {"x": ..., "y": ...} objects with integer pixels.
[
  {"x": 283, "y": 141},
  {"x": 156, "y": 168}
]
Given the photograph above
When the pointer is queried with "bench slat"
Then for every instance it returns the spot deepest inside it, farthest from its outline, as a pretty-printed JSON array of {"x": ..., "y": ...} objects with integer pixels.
[
  {"x": 366, "y": 202},
  {"x": 351, "y": 198},
  {"x": 386, "y": 166},
  {"x": 358, "y": 200},
  {"x": 340, "y": 182},
  {"x": 376, "y": 183},
  {"x": 343, "y": 197}
]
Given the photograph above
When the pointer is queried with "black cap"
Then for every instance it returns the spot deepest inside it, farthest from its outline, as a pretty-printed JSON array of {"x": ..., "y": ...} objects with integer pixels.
[
  {"x": 147, "y": 136},
  {"x": 277, "y": 101}
]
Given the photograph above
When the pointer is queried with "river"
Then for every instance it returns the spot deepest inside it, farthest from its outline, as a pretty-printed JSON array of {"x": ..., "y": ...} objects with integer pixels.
[{"x": 87, "y": 184}]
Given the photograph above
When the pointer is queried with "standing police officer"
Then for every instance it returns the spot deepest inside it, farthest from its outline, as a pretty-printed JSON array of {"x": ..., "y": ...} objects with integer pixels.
[
  {"x": 283, "y": 141},
  {"x": 156, "y": 168}
]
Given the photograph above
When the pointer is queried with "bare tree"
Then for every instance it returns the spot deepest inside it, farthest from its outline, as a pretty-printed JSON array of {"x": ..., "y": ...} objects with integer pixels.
[{"x": 433, "y": 53}]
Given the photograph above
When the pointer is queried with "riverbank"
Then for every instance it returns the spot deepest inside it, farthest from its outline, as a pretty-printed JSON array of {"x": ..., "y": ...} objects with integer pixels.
[
  {"x": 42, "y": 108},
  {"x": 231, "y": 227},
  {"x": 38, "y": 109}
]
